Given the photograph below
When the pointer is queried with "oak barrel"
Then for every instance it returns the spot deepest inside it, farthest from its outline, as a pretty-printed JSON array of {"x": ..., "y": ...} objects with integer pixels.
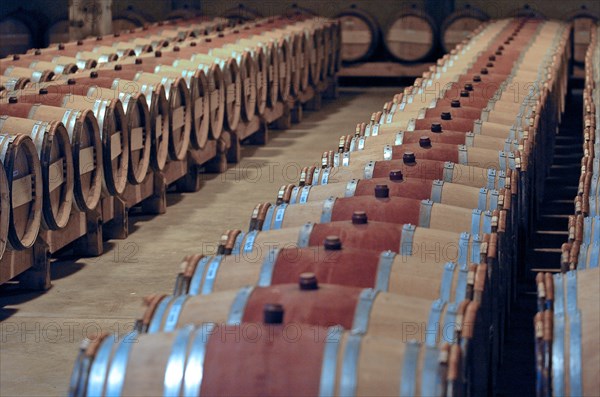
[
  {"x": 419, "y": 274},
  {"x": 372, "y": 235},
  {"x": 419, "y": 168},
  {"x": 232, "y": 86},
  {"x": 18, "y": 34},
  {"x": 312, "y": 302},
  {"x": 459, "y": 25},
  {"x": 114, "y": 132},
  {"x": 248, "y": 67},
  {"x": 575, "y": 332},
  {"x": 56, "y": 160},
  {"x": 382, "y": 208},
  {"x": 142, "y": 123},
  {"x": 180, "y": 109},
  {"x": 423, "y": 189},
  {"x": 24, "y": 177},
  {"x": 112, "y": 123},
  {"x": 84, "y": 135},
  {"x": 411, "y": 36},
  {"x": 235, "y": 360},
  {"x": 199, "y": 88},
  {"x": 360, "y": 35},
  {"x": 159, "y": 108}
]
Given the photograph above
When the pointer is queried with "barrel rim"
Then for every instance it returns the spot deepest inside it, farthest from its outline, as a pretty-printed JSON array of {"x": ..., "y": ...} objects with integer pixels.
[
  {"x": 179, "y": 94},
  {"x": 86, "y": 119},
  {"x": 25, "y": 143},
  {"x": 57, "y": 131},
  {"x": 115, "y": 120}
]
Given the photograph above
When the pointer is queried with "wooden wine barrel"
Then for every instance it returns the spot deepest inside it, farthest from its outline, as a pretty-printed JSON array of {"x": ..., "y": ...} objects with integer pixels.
[
  {"x": 372, "y": 235},
  {"x": 459, "y": 25},
  {"x": 304, "y": 59},
  {"x": 316, "y": 304},
  {"x": 425, "y": 149},
  {"x": 575, "y": 330},
  {"x": 4, "y": 210},
  {"x": 296, "y": 62},
  {"x": 382, "y": 271},
  {"x": 314, "y": 41},
  {"x": 327, "y": 304},
  {"x": 68, "y": 68},
  {"x": 325, "y": 50},
  {"x": 140, "y": 46},
  {"x": 188, "y": 103},
  {"x": 419, "y": 168},
  {"x": 17, "y": 34},
  {"x": 59, "y": 66},
  {"x": 270, "y": 71},
  {"x": 436, "y": 134},
  {"x": 114, "y": 131},
  {"x": 360, "y": 35},
  {"x": 583, "y": 22},
  {"x": 399, "y": 186},
  {"x": 292, "y": 69},
  {"x": 180, "y": 111},
  {"x": 584, "y": 255},
  {"x": 82, "y": 49},
  {"x": 84, "y": 134},
  {"x": 232, "y": 84},
  {"x": 258, "y": 61},
  {"x": 140, "y": 125},
  {"x": 247, "y": 73},
  {"x": 13, "y": 83},
  {"x": 216, "y": 93},
  {"x": 199, "y": 88},
  {"x": 382, "y": 208},
  {"x": 36, "y": 76},
  {"x": 81, "y": 64},
  {"x": 148, "y": 115},
  {"x": 112, "y": 123},
  {"x": 24, "y": 177},
  {"x": 109, "y": 50},
  {"x": 411, "y": 36},
  {"x": 335, "y": 32},
  {"x": 237, "y": 365},
  {"x": 56, "y": 161}
]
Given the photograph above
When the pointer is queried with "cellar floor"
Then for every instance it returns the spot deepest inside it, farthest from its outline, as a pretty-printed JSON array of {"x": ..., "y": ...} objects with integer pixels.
[{"x": 40, "y": 333}]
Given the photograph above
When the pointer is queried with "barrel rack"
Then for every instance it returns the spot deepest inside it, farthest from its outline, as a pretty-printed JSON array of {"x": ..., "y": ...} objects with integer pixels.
[{"x": 86, "y": 231}]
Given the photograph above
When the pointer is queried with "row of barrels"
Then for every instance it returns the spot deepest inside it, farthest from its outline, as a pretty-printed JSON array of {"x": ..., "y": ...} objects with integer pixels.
[
  {"x": 387, "y": 269},
  {"x": 83, "y": 120},
  {"x": 25, "y": 29},
  {"x": 567, "y": 324},
  {"x": 413, "y": 34}
]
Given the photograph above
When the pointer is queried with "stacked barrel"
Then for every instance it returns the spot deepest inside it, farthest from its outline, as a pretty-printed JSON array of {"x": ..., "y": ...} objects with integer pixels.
[
  {"x": 86, "y": 120},
  {"x": 388, "y": 268},
  {"x": 567, "y": 324}
]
